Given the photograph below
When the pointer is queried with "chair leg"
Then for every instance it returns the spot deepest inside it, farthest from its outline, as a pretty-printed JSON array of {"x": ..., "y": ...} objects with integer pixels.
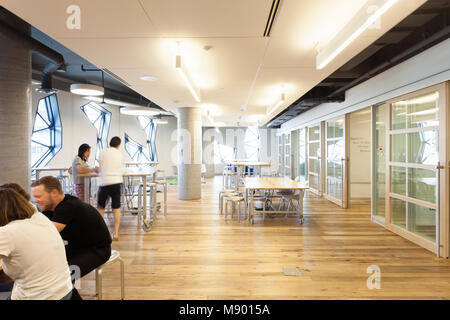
[
  {"x": 239, "y": 211},
  {"x": 98, "y": 282},
  {"x": 220, "y": 203},
  {"x": 122, "y": 279},
  {"x": 165, "y": 199}
]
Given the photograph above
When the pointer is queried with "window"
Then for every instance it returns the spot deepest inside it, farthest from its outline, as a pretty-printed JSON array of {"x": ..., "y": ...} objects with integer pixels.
[
  {"x": 222, "y": 153},
  {"x": 101, "y": 120},
  {"x": 46, "y": 139},
  {"x": 149, "y": 126},
  {"x": 252, "y": 143},
  {"x": 136, "y": 151}
]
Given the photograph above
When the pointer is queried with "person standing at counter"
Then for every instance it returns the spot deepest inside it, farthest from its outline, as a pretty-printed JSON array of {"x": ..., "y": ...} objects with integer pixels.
[
  {"x": 80, "y": 166},
  {"x": 111, "y": 164}
]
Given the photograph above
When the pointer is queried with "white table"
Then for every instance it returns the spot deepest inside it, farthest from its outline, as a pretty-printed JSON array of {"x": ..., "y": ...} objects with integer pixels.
[
  {"x": 240, "y": 165},
  {"x": 141, "y": 174},
  {"x": 273, "y": 183}
]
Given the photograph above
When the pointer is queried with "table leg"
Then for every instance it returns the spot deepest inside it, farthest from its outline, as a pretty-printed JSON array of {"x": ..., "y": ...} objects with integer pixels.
[
  {"x": 251, "y": 215},
  {"x": 300, "y": 206},
  {"x": 144, "y": 201}
]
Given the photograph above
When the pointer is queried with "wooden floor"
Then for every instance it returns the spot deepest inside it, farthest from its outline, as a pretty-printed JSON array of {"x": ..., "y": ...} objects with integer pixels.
[{"x": 192, "y": 253}]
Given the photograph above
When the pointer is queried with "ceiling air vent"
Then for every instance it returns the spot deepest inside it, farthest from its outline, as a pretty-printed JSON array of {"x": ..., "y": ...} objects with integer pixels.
[
  {"x": 111, "y": 74},
  {"x": 271, "y": 19}
]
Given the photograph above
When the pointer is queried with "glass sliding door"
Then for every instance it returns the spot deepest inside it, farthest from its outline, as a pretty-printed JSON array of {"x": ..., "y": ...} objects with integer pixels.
[
  {"x": 287, "y": 155},
  {"x": 302, "y": 156},
  {"x": 379, "y": 163},
  {"x": 336, "y": 169},
  {"x": 280, "y": 155},
  {"x": 315, "y": 158},
  {"x": 414, "y": 173}
]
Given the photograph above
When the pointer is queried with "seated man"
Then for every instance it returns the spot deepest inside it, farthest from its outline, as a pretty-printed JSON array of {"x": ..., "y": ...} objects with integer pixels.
[{"x": 80, "y": 224}]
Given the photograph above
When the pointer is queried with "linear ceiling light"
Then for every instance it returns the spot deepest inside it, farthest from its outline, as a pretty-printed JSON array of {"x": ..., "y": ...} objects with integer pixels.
[
  {"x": 279, "y": 103},
  {"x": 359, "y": 23},
  {"x": 186, "y": 78},
  {"x": 86, "y": 89}
]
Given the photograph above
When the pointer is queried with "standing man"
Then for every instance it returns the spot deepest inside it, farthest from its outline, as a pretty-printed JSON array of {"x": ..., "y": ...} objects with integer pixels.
[
  {"x": 80, "y": 225},
  {"x": 111, "y": 179}
]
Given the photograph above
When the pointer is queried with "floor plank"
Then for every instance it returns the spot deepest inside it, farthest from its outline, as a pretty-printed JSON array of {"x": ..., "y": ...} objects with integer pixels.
[{"x": 193, "y": 253}]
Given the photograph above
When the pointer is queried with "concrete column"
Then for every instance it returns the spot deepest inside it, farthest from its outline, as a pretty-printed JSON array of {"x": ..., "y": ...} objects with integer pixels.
[
  {"x": 189, "y": 153},
  {"x": 15, "y": 113}
]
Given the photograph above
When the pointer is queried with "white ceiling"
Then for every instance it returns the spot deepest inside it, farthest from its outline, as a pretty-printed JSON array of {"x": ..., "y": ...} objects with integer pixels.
[{"x": 134, "y": 38}]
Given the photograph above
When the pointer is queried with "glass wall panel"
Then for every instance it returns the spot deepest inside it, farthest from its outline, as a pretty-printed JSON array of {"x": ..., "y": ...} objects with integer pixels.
[
  {"x": 398, "y": 180},
  {"x": 423, "y": 111},
  {"x": 379, "y": 144},
  {"x": 314, "y": 133},
  {"x": 422, "y": 184},
  {"x": 422, "y": 221},
  {"x": 423, "y": 147},
  {"x": 335, "y": 189},
  {"x": 399, "y": 115},
  {"x": 398, "y": 212},
  {"x": 314, "y": 149},
  {"x": 314, "y": 182},
  {"x": 399, "y": 147},
  {"x": 313, "y": 155},
  {"x": 303, "y": 170},
  {"x": 418, "y": 147}
]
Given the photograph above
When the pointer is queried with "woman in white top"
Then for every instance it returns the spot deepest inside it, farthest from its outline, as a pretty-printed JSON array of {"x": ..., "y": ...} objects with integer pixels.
[
  {"x": 31, "y": 251},
  {"x": 80, "y": 166}
]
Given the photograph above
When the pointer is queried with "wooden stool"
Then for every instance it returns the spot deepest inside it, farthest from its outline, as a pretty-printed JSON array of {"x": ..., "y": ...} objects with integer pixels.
[{"x": 234, "y": 200}]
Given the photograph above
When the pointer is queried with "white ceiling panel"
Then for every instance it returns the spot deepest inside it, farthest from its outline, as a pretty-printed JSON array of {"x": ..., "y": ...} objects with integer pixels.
[
  {"x": 99, "y": 18},
  {"x": 209, "y": 18},
  {"x": 220, "y": 41}
]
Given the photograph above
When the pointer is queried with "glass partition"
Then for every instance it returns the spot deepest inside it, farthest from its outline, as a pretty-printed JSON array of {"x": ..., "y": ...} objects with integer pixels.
[
  {"x": 315, "y": 158},
  {"x": 302, "y": 155},
  {"x": 413, "y": 166},
  {"x": 335, "y": 161}
]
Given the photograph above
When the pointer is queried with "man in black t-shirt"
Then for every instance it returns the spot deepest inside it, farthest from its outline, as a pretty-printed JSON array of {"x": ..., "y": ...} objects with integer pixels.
[{"x": 80, "y": 224}]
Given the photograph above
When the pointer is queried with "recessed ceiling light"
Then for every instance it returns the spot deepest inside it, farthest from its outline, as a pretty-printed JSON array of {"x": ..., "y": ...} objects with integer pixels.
[{"x": 148, "y": 78}]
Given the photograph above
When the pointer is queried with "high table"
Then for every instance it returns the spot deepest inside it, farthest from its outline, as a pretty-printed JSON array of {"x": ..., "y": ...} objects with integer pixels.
[
  {"x": 242, "y": 164},
  {"x": 140, "y": 165},
  {"x": 141, "y": 174},
  {"x": 64, "y": 183},
  {"x": 39, "y": 170},
  {"x": 273, "y": 183}
]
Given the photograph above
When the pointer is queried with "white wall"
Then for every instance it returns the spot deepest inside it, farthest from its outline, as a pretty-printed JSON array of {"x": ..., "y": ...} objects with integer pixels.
[
  {"x": 234, "y": 137},
  {"x": 360, "y": 155},
  {"x": 425, "y": 69},
  {"x": 77, "y": 130}
]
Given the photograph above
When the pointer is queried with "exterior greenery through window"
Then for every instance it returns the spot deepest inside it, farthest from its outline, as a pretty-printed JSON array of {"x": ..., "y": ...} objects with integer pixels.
[
  {"x": 46, "y": 139},
  {"x": 101, "y": 120}
]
